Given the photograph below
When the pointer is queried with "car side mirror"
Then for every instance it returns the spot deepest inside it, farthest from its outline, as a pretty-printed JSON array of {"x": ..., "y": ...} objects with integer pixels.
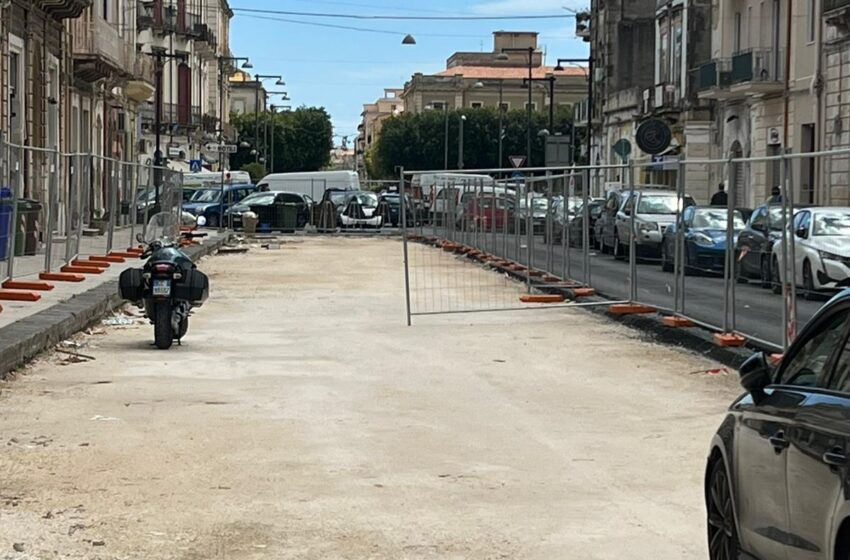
[
  {"x": 802, "y": 233},
  {"x": 627, "y": 212},
  {"x": 756, "y": 374}
]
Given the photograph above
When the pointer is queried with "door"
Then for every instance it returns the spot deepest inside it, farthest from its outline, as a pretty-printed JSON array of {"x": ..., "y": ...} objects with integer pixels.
[
  {"x": 765, "y": 435},
  {"x": 817, "y": 456},
  {"x": 184, "y": 94}
]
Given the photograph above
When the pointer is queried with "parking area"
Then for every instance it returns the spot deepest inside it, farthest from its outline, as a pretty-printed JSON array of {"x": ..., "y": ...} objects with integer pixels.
[{"x": 302, "y": 419}]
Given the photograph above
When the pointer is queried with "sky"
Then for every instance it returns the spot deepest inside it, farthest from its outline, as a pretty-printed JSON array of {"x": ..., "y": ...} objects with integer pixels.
[{"x": 341, "y": 69}]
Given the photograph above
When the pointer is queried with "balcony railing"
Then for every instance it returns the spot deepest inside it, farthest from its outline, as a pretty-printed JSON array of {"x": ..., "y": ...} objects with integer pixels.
[
  {"x": 65, "y": 9},
  {"x": 173, "y": 114},
  {"x": 829, "y": 5},
  {"x": 153, "y": 14},
  {"x": 757, "y": 65},
  {"x": 714, "y": 74},
  {"x": 100, "y": 48}
]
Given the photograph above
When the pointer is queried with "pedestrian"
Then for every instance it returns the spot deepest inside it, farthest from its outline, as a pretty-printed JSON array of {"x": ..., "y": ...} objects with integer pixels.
[
  {"x": 720, "y": 198},
  {"x": 775, "y": 196}
]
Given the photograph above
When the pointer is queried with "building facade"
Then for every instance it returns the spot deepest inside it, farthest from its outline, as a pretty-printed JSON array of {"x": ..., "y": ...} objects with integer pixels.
[
  {"x": 482, "y": 79},
  {"x": 247, "y": 95},
  {"x": 182, "y": 38}
]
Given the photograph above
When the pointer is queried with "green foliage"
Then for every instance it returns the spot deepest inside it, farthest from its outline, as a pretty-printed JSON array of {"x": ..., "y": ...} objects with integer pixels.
[
  {"x": 302, "y": 141},
  {"x": 418, "y": 142},
  {"x": 256, "y": 170}
]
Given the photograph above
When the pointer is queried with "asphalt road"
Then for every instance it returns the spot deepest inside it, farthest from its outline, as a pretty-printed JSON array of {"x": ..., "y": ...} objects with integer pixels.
[{"x": 757, "y": 312}]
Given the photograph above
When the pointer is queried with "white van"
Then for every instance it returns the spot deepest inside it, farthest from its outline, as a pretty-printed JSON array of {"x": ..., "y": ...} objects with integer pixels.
[
  {"x": 447, "y": 191},
  {"x": 312, "y": 184},
  {"x": 206, "y": 178}
]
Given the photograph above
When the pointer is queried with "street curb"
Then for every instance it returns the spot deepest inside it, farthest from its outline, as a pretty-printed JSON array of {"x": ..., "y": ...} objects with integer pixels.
[{"x": 25, "y": 339}]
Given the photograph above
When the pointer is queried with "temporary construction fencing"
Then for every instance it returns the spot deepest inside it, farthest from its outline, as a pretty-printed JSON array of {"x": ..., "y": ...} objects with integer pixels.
[
  {"x": 64, "y": 216},
  {"x": 754, "y": 267}
]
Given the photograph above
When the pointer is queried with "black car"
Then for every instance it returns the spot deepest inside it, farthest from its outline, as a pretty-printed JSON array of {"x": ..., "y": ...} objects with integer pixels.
[
  {"x": 777, "y": 482},
  {"x": 393, "y": 202},
  {"x": 576, "y": 227},
  {"x": 755, "y": 244},
  {"x": 270, "y": 198}
]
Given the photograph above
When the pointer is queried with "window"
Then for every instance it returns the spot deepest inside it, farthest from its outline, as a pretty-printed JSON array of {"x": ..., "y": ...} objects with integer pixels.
[
  {"x": 438, "y": 105},
  {"x": 809, "y": 365},
  {"x": 811, "y": 21},
  {"x": 533, "y": 106},
  {"x": 739, "y": 32},
  {"x": 477, "y": 105},
  {"x": 506, "y": 106},
  {"x": 801, "y": 221},
  {"x": 759, "y": 220}
]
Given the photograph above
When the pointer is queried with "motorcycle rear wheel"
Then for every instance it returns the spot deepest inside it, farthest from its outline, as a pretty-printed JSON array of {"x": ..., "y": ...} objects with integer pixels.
[{"x": 163, "y": 331}]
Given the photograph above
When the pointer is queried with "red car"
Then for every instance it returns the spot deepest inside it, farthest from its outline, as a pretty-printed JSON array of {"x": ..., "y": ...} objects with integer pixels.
[{"x": 489, "y": 213}]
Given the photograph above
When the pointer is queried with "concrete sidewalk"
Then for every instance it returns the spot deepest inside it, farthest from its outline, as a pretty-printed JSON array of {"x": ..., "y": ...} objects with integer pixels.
[{"x": 26, "y": 329}]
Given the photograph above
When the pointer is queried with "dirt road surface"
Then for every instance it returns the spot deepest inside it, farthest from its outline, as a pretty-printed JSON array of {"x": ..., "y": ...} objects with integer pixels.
[{"x": 302, "y": 420}]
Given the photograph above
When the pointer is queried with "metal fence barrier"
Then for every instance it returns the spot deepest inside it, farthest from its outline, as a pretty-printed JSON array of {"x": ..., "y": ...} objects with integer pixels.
[
  {"x": 60, "y": 211},
  {"x": 755, "y": 267}
]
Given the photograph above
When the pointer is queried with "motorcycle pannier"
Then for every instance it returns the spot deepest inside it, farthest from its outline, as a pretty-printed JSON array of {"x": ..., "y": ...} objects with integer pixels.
[
  {"x": 194, "y": 287},
  {"x": 131, "y": 285}
]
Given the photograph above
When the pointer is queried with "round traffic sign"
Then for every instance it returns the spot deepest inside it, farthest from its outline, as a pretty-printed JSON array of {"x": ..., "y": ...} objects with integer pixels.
[{"x": 653, "y": 136}]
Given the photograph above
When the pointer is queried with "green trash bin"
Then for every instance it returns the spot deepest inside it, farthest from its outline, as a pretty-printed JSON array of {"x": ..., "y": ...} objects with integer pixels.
[
  {"x": 26, "y": 230},
  {"x": 286, "y": 216}
]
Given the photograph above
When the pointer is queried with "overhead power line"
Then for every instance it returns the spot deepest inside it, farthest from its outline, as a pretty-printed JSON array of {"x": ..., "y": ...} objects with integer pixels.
[
  {"x": 361, "y": 29},
  {"x": 402, "y": 18}
]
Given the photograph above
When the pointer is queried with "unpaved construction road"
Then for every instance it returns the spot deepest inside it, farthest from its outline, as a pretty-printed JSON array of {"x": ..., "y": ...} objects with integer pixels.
[{"x": 302, "y": 420}]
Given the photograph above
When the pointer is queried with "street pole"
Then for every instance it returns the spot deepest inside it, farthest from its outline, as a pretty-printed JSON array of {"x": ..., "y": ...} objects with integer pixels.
[
  {"x": 157, "y": 155},
  {"x": 501, "y": 123},
  {"x": 257, "y": 122},
  {"x": 530, "y": 114},
  {"x": 271, "y": 155},
  {"x": 460, "y": 143},
  {"x": 552, "y": 104},
  {"x": 446, "y": 158}
]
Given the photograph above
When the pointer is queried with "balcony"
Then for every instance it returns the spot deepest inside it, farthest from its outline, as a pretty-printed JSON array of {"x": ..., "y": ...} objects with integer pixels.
[
  {"x": 142, "y": 86},
  {"x": 757, "y": 72},
  {"x": 837, "y": 14},
  {"x": 65, "y": 9},
  {"x": 176, "y": 119},
  {"x": 167, "y": 19},
  {"x": 100, "y": 51},
  {"x": 714, "y": 78}
]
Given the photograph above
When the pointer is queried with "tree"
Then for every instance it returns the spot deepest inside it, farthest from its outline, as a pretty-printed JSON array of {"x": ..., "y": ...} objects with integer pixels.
[
  {"x": 303, "y": 139},
  {"x": 418, "y": 142},
  {"x": 255, "y": 170}
]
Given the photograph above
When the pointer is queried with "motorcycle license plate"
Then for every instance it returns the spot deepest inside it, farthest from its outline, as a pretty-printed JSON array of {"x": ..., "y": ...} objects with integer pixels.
[{"x": 162, "y": 288}]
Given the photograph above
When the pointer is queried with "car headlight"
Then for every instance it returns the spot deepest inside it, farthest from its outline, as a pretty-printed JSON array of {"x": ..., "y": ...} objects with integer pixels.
[
  {"x": 824, "y": 255},
  {"x": 646, "y": 227},
  {"x": 702, "y": 240}
]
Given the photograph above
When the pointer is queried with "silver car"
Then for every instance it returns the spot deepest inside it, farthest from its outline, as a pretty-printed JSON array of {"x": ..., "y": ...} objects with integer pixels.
[{"x": 654, "y": 211}]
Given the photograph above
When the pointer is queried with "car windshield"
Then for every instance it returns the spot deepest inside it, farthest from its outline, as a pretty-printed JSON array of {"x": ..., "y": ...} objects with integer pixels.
[
  {"x": 369, "y": 200},
  {"x": 258, "y": 198},
  {"x": 716, "y": 219},
  {"x": 207, "y": 195},
  {"x": 657, "y": 204},
  {"x": 832, "y": 223},
  {"x": 339, "y": 197},
  {"x": 775, "y": 219}
]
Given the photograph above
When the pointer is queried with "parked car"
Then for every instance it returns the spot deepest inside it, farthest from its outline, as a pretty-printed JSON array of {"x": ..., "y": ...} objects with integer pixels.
[
  {"x": 208, "y": 202},
  {"x": 754, "y": 247},
  {"x": 654, "y": 211},
  {"x": 705, "y": 233},
  {"x": 305, "y": 205},
  {"x": 821, "y": 239},
  {"x": 775, "y": 484},
  {"x": 576, "y": 225},
  {"x": 535, "y": 208},
  {"x": 606, "y": 223},
  {"x": 393, "y": 202},
  {"x": 489, "y": 213},
  {"x": 361, "y": 210}
]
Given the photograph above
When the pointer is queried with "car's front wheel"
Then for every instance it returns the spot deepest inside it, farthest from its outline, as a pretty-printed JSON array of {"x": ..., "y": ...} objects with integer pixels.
[
  {"x": 722, "y": 533},
  {"x": 777, "y": 281},
  {"x": 808, "y": 281}
]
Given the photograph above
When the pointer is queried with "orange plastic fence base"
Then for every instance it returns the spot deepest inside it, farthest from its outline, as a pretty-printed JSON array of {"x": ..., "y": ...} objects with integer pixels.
[
  {"x": 729, "y": 340},
  {"x": 6, "y": 295},
  {"x": 29, "y": 285},
  {"x": 61, "y": 277},
  {"x": 542, "y": 299},
  {"x": 630, "y": 309},
  {"x": 584, "y": 292},
  {"x": 135, "y": 250},
  {"x": 107, "y": 259},
  {"x": 124, "y": 255},
  {"x": 81, "y": 270},
  {"x": 677, "y": 322},
  {"x": 90, "y": 264}
]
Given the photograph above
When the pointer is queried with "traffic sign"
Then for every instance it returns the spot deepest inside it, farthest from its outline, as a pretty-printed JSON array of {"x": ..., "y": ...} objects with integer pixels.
[
  {"x": 195, "y": 165},
  {"x": 517, "y": 161},
  {"x": 223, "y": 148}
]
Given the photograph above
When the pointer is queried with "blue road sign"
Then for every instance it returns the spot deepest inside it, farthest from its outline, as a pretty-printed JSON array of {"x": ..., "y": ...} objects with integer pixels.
[{"x": 196, "y": 165}]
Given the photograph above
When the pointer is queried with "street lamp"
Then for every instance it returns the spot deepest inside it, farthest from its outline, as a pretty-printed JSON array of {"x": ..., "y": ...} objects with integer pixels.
[
  {"x": 551, "y": 79},
  {"x": 460, "y": 143},
  {"x": 284, "y": 97},
  {"x": 589, "y": 74},
  {"x": 222, "y": 61},
  {"x": 259, "y": 78},
  {"x": 503, "y": 56}
]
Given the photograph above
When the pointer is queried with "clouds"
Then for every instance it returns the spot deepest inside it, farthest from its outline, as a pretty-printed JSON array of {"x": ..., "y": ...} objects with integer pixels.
[{"x": 524, "y": 7}]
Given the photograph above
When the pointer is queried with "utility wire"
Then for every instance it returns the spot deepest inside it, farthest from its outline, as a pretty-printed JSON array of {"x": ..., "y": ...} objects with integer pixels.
[
  {"x": 362, "y": 29},
  {"x": 405, "y": 18}
]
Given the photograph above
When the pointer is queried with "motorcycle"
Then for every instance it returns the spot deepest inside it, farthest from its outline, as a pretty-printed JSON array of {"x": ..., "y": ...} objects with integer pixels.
[{"x": 169, "y": 285}]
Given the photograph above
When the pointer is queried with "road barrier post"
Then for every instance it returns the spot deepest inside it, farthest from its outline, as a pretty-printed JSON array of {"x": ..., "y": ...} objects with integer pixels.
[
  {"x": 403, "y": 210},
  {"x": 633, "y": 296}
]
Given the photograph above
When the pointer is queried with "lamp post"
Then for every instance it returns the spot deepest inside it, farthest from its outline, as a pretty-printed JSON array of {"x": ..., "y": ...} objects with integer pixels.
[
  {"x": 460, "y": 143},
  {"x": 551, "y": 79},
  {"x": 501, "y": 123},
  {"x": 503, "y": 57},
  {"x": 270, "y": 155},
  {"x": 222, "y": 61},
  {"x": 589, "y": 75},
  {"x": 259, "y": 79},
  {"x": 159, "y": 57}
]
